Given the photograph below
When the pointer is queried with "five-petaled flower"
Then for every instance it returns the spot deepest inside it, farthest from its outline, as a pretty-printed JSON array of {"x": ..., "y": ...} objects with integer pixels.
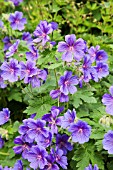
[
  {"x": 17, "y": 21},
  {"x": 72, "y": 49},
  {"x": 67, "y": 83}
]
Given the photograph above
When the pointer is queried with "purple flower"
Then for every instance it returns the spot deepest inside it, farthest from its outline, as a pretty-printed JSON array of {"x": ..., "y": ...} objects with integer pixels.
[
  {"x": 68, "y": 118},
  {"x": 44, "y": 141},
  {"x": 36, "y": 79},
  {"x": 91, "y": 168},
  {"x": 62, "y": 143},
  {"x": 18, "y": 165},
  {"x": 37, "y": 157},
  {"x": 1, "y": 142},
  {"x": 4, "y": 116},
  {"x": 5, "y": 168},
  {"x": 1, "y": 24},
  {"x": 33, "y": 54},
  {"x": 23, "y": 130},
  {"x": 7, "y": 43},
  {"x": 27, "y": 37},
  {"x": 80, "y": 132},
  {"x": 23, "y": 147},
  {"x": 107, "y": 100},
  {"x": 58, "y": 94},
  {"x": 86, "y": 65},
  {"x": 108, "y": 142},
  {"x": 17, "y": 21},
  {"x": 27, "y": 70},
  {"x": 37, "y": 128},
  {"x": 72, "y": 49},
  {"x": 10, "y": 70},
  {"x": 60, "y": 158},
  {"x": 54, "y": 25},
  {"x": 102, "y": 70},
  {"x": 52, "y": 119},
  {"x": 101, "y": 56},
  {"x": 51, "y": 163},
  {"x": 16, "y": 2},
  {"x": 12, "y": 49},
  {"x": 67, "y": 83},
  {"x": 92, "y": 52},
  {"x": 2, "y": 84},
  {"x": 42, "y": 31}
]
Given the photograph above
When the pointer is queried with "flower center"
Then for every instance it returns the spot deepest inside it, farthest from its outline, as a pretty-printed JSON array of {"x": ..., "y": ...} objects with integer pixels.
[
  {"x": 67, "y": 83},
  {"x": 17, "y": 21},
  {"x": 80, "y": 130},
  {"x": 47, "y": 140},
  {"x": 100, "y": 69},
  {"x": 57, "y": 157},
  {"x": 43, "y": 35},
  {"x": 85, "y": 66},
  {"x": 11, "y": 70},
  {"x": 71, "y": 48},
  {"x": 38, "y": 129},
  {"x": 39, "y": 157},
  {"x": 28, "y": 71},
  {"x": 25, "y": 146},
  {"x": 100, "y": 57},
  {"x": 34, "y": 54},
  {"x": 49, "y": 166}
]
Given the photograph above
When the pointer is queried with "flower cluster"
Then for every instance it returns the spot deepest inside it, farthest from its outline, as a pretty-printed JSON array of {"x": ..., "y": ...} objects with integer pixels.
[
  {"x": 11, "y": 69},
  {"x": 37, "y": 136},
  {"x": 76, "y": 51},
  {"x": 45, "y": 142}
]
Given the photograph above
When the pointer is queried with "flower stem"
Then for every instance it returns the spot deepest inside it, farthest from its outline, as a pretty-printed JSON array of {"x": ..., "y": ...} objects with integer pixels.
[
  {"x": 2, "y": 153},
  {"x": 56, "y": 77}
]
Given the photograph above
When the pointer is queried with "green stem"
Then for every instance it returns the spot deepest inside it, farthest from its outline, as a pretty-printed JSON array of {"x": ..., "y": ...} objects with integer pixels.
[
  {"x": 58, "y": 102},
  {"x": 2, "y": 153},
  {"x": 56, "y": 77},
  {"x": 67, "y": 105},
  {"x": 27, "y": 93}
]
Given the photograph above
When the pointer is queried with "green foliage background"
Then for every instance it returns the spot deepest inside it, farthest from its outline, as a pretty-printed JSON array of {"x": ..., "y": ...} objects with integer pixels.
[{"x": 91, "y": 20}]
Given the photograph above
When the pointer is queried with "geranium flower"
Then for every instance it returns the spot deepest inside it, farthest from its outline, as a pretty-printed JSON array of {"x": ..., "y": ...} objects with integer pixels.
[
  {"x": 17, "y": 21},
  {"x": 12, "y": 49},
  {"x": 37, "y": 157},
  {"x": 102, "y": 70},
  {"x": 62, "y": 143},
  {"x": 33, "y": 54},
  {"x": 10, "y": 70},
  {"x": 80, "y": 132},
  {"x": 4, "y": 116},
  {"x": 72, "y": 49},
  {"x": 42, "y": 31},
  {"x": 107, "y": 100},
  {"x": 67, "y": 83},
  {"x": 68, "y": 118},
  {"x": 27, "y": 70},
  {"x": 108, "y": 142}
]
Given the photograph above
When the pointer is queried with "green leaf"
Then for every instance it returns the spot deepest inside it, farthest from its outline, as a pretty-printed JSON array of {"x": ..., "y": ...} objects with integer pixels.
[
  {"x": 53, "y": 66},
  {"x": 15, "y": 94}
]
